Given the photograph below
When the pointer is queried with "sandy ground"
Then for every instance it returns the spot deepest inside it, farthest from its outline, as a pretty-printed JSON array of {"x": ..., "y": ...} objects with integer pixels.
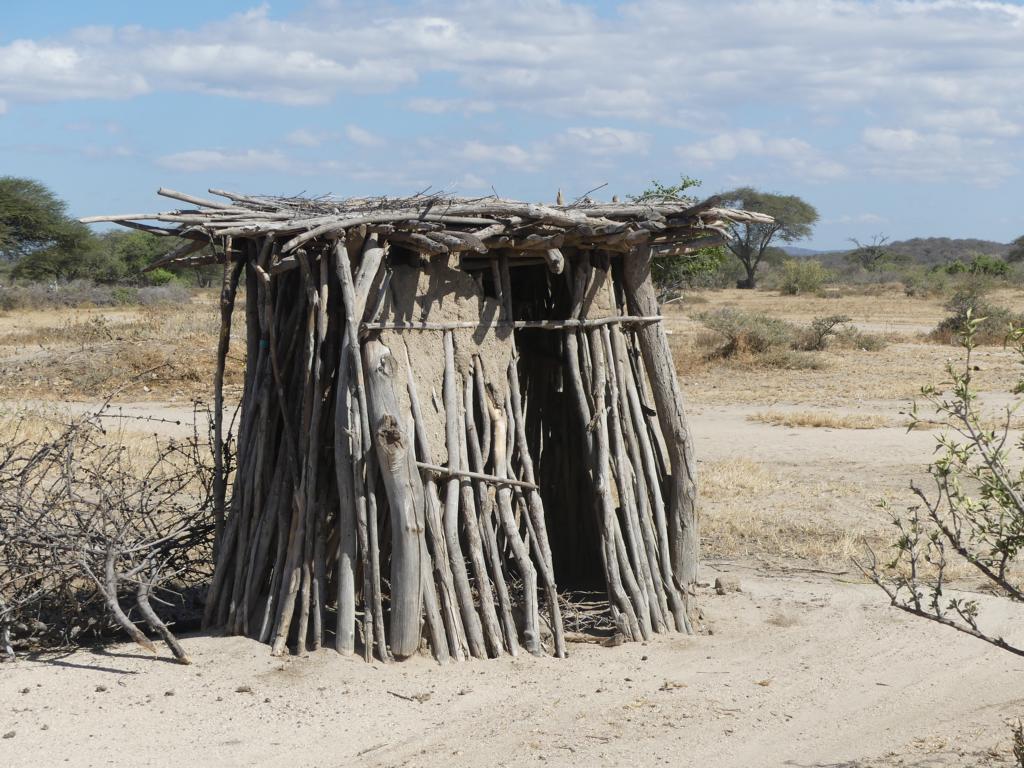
[
  {"x": 800, "y": 671},
  {"x": 807, "y": 666}
]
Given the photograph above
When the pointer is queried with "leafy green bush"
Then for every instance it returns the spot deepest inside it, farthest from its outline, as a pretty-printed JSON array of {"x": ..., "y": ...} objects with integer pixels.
[
  {"x": 160, "y": 277},
  {"x": 979, "y": 265},
  {"x": 672, "y": 274},
  {"x": 123, "y": 294},
  {"x": 802, "y": 276}
]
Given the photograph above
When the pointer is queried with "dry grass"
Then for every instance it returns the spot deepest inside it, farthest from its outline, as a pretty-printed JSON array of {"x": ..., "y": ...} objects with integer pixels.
[
  {"x": 840, "y": 377},
  {"x": 847, "y": 377},
  {"x": 158, "y": 352},
  {"x": 825, "y": 419},
  {"x": 752, "y": 512},
  {"x": 725, "y": 480},
  {"x": 775, "y": 536}
]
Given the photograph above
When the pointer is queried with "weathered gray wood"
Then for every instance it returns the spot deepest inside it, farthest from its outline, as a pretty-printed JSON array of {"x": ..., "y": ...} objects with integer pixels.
[
  {"x": 363, "y": 470},
  {"x": 155, "y": 623},
  {"x": 437, "y": 469},
  {"x": 470, "y": 619},
  {"x": 539, "y": 325},
  {"x": 535, "y": 507},
  {"x": 683, "y": 522},
  {"x": 483, "y": 541},
  {"x": 404, "y": 489},
  {"x": 227, "y": 303},
  {"x": 650, "y": 614},
  {"x": 642, "y": 489},
  {"x": 449, "y": 599},
  {"x": 348, "y": 463},
  {"x": 555, "y": 260},
  {"x": 622, "y": 586},
  {"x": 527, "y": 572}
]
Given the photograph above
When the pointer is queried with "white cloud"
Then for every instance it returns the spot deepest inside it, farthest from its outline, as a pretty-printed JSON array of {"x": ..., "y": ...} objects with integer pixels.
[
  {"x": 891, "y": 139},
  {"x": 909, "y": 56},
  {"x": 117, "y": 151},
  {"x": 980, "y": 121},
  {"x": 511, "y": 155},
  {"x": 606, "y": 141},
  {"x": 933, "y": 157},
  {"x": 219, "y": 160},
  {"x": 469, "y": 182},
  {"x": 34, "y": 71},
  {"x": 363, "y": 137},
  {"x": 934, "y": 68},
  {"x": 794, "y": 154},
  {"x": 441, "y": 106},
  {"x": 856, "y": 218},
  {"x": 301, "y": 137}
]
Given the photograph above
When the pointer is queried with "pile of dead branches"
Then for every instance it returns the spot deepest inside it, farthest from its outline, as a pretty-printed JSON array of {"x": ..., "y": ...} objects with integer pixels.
[
  {"x": 437, "y": 224},
  {"x": 90, "y": 523}
]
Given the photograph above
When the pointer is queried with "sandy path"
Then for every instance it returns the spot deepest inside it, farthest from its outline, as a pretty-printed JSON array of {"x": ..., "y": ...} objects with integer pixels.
[{"x": 798, "y": 672}]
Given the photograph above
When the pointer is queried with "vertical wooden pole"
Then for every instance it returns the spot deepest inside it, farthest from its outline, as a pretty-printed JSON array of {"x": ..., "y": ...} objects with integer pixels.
[
  {"x": 684, "y": 534},
  {"x": 404, "y": 489}
]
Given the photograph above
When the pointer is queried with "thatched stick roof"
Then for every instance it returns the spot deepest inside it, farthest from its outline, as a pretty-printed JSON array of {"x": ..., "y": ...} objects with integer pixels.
[{"x": 438, "y": 224}]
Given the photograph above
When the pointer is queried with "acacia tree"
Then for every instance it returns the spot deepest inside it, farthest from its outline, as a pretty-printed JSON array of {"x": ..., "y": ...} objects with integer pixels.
[
  {"x": 871, "y": 256},
  {"x": 673, "y": 273},
  {"x": 32, "y": 218},
  {"x": 794, "y": 219}
]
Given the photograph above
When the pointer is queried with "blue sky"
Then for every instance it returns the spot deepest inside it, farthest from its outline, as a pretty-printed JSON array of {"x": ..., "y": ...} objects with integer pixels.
[{"x": 898, "y": 117}]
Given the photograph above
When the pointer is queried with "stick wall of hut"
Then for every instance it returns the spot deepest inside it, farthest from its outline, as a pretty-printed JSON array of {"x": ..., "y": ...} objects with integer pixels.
[{"x": 449, "y": 407}]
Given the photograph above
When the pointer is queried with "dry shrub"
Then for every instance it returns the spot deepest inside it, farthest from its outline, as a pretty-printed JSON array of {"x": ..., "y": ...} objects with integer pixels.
[
  {"x": 760, "y": 340},
  {"x": 826, "y": 419},
  {"x": 87, "y": 520},
  {"x": 836, "y": 331},
  {"x": 993, "y": 323},
  {"x": 851, "y": 337},
  {"x": 86, "y": 293},
  {"x": 165, "y": 350},
  {"x": 747, "y": 332}
]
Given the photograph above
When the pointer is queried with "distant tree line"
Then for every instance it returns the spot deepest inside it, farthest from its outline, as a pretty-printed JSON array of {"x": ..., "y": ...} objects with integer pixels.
[
  {"x": 755, "y": 251},
  {"x": 39, "y": 242}
]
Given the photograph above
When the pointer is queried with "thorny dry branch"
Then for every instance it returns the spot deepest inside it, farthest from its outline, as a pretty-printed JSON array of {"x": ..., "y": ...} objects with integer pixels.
[
  {"x": 86, "y": 522},
  {"x": 975, "y": 511}
]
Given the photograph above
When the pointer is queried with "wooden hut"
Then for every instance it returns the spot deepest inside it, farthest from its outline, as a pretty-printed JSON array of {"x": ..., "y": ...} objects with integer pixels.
[{"x": 453, "y": 409}]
